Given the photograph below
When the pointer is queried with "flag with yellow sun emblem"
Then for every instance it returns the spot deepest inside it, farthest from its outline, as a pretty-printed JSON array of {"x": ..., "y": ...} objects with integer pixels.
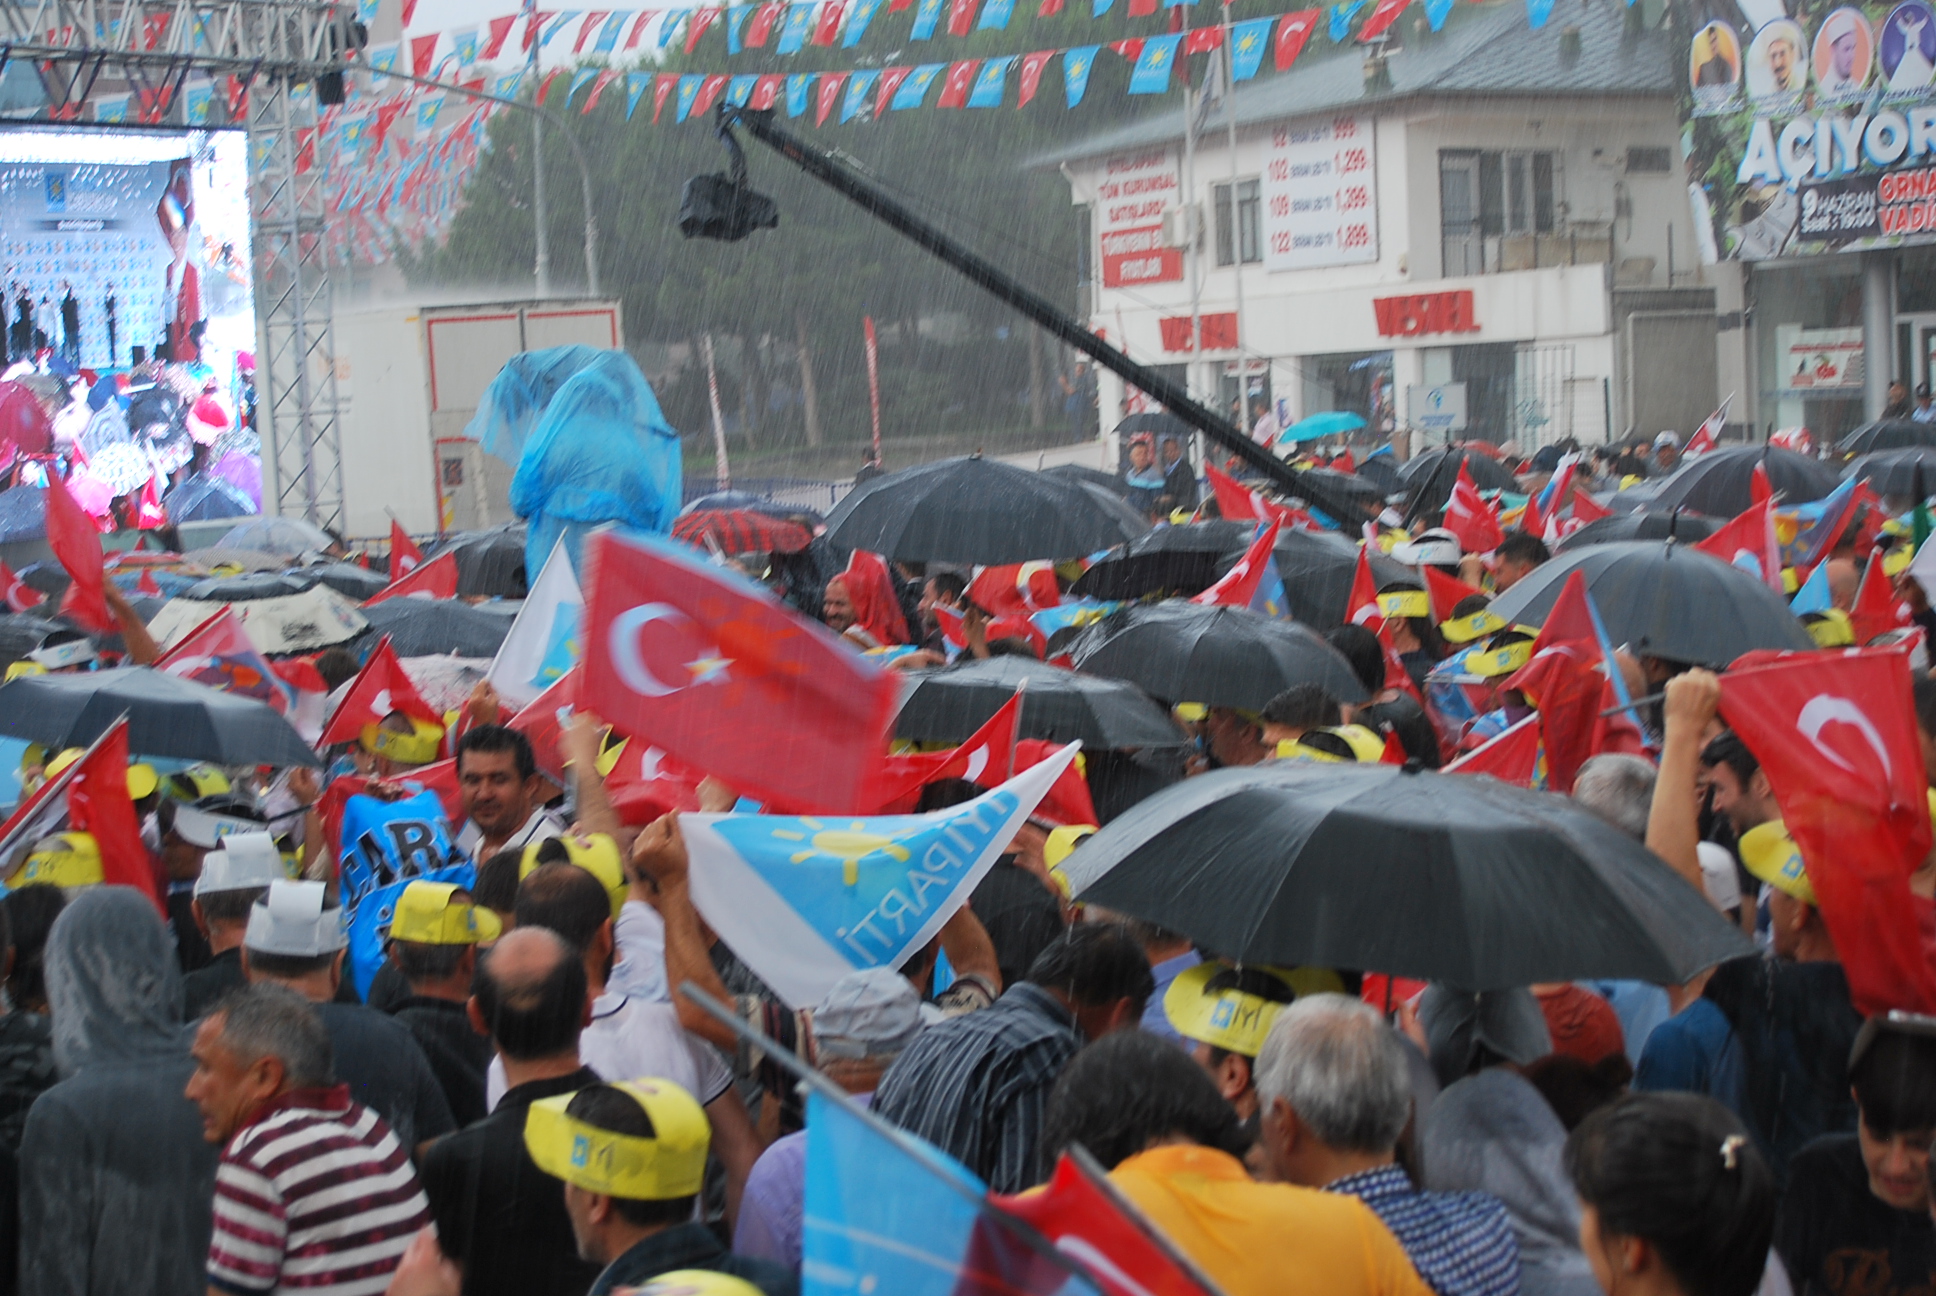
[{"x": 805, "y": 899}]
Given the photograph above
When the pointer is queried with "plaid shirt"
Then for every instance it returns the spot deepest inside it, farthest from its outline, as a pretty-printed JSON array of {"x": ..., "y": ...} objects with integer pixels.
[
  {"x": 976, "y": 1086},
  {"x": 1462, "y": 1244}
]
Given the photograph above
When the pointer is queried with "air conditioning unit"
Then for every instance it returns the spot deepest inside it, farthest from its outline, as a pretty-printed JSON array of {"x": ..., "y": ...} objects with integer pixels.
[{"x": 1183, "y": 226}]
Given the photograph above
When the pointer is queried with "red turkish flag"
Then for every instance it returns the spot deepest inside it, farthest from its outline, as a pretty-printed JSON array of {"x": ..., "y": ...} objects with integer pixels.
[
  {"x": 983, "y": 757},
  {"x": 1760, "y": 489},
  {"x": 890, "y": 81},
  {"x": 662, "y": 85},
  {"x": 1529, "y": 520},
  {"x": 1511, "y": 757},
  {"x": 1202, "y": 40},
  {"x": 1570, "y": 620},
  {"x": 76, "y": 542},
  {"x": 1131, "y": 48},
  {"x": 709, "y": 92},
  {"x": 17, "y": 593},
  {"x": 1047, "y": 9},
  {"x": 829, "y": 95},
  {"x": 1383, "y": 15},
  {"x": 1238, "y": 586},
  {"x": 542, "y": 721},
  {"x": 1836, "y": 733},
  {"x": 960, "y": 79},
  {"x": 1085, "y": 1218},
  {"x": 436, "y": 578},
  {"x": 697, "y": 21},
  {"x": 719, "y": 676},
  {"x": 1446, "y": 592},
  {"x": 961, "y": 17},
  {"x": 1142, "y": 8},
  {"x": 1875, "y": 610},
  {"x": 404, "y": 554},
  {"x": 1032, "y": 65},
  {"x": 1293, "y": 30},
  {"x": 498, "y": 32},
  {"x": 766, "y": 91},
  {"x": 148, "y": 512},
  {"x": 1015, "y": 587},
  {"x": 1587, "y": 509},
  {"x": 423, "y": 50},
  {"x": 760, "y": 25},
  {"x": 587, "y": 27},
  {"x": 1749, "y": 542},
  {"x": 1570, "y": 690},
  {"x": 1234, "y": 500},
  {"x": 1471, "y": 518},
  {"x": 1362, "y": 608},
  {"x": 1067, "y": 800},
  {"x": 826, "y": 28},
  {"x": 379, "y": 688},
  {"x": 98, "y": 804}
]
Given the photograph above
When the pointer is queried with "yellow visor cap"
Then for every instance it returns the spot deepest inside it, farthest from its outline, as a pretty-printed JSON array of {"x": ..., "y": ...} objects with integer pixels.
[
  {"x": 669, "y": 1165},
  {"x": 696, "y": 1282},
  {"x": 17, "y": 669},
  {"x": 1405, "y": 603},
  {"x": 1897, "y": 560},
  {"x": 429, "y": 913},
  {"x": 1494, "y": 662},
  {"x": 1770, "y": 854},
  {"x": 1207, "y": 1002},
  {"x": 596, "y": 853},
  {"x": 1830, "y": 629},
  {"x": 1465, "y": 629},
  {"x": 142, "y": 780},
  {"x": 66, "y": 860},
  {"x": 418, "y": 747}
]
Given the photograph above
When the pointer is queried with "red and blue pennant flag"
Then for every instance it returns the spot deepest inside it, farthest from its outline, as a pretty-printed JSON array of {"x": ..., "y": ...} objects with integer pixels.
[
  {"x": 688, "y": 95},
  {"x": 859, "y": 86},
  {"x": 829, "y": 95},
  {"x": 797, "y": 27},
  {"x": 808, "y": 899},
  {"x": 736, "y": 18},
  {"x": 799, "y": 87},
  {"x": 858, "y": 22},
  {"x": 926, "y": 17},
  {"x": 608, "y": 35},
  {"x": 995, "y": 15},
  {"x": 1248, "y": 41},
  {"x": 762, "y": 25},
  {"x": 1076, "y": 64},
  {"x": 1293, "y": 30},
  {"x": 705, "y": 666},
  {"x": 1383, "y": 15},
  {"x": 991, "y": 83},
  {"x": 635, "y": 86},
  {"x": 739, "y": 89},
  {"x": 1031, "y": 81},
  {"x": 955, "y": 87}
]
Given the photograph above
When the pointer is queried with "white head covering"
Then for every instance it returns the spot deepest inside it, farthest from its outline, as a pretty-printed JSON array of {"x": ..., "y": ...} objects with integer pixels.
[{"x": 291, "y": 920}]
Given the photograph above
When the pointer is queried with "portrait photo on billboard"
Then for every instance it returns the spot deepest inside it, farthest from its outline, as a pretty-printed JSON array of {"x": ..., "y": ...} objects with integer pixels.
[
  {"x": 1714, "y": 67},
  {"x": 129, "y": 306},
  {"x": 1777, "y": 68},
  {"x": 1907, "y": 48},
  {"x": 1844, "y": 55}
]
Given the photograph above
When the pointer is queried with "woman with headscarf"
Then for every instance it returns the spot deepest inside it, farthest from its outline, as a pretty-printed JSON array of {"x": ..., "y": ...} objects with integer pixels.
[
  {"x": 1491, "y": 1131},
  {"x": 116, "y": 1179}
]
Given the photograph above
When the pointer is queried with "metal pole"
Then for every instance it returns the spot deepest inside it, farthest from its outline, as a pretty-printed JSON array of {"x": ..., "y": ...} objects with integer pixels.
[
  {"x": 1236, "y": 219},
  {"x": 1878, "y": 331},
  {"x": 577, "y": 153},
  {"x": 542, "y": 269}
]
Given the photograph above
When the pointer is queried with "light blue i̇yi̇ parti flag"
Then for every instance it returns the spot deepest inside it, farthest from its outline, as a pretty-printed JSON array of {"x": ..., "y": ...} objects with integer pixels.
[
  {"x": 1248, "y": 41},
  {"x": 799, "y": 92},
  {"x": 927, "y": 14},
  {"x": 995, "y": 15},
  {"x": 556, "y": 25},
  {"x": 1436, "y": 12},
  {"x": 636, "y": 84},
  {"x": 608, "y": 34},
  {"x": 688, "y": 94},
  {"x": 1269, "y": 598},
  {"x": 912, "y": 91},
  {"x": 1537, "y": 12},
  {"x": 1814, "y": 594},
  {"x": 797, "y": 27},
  {"x": 991, "y": 83},
  {"x": 1341, "y": 16},
  {"x": 858, "y": 21},
  {"x": 860, "y": 92},
  {"x": 739, "y": 90},
  {"x": 1076, "y": 63},
  {"x": 579, "y": 80},
  {"x": 1151, "y": 75},
  {"x": 736, "y": 16}
]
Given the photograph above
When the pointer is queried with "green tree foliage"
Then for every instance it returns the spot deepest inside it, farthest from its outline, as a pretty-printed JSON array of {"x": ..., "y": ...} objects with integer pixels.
[{"x": 953, "y": 359}]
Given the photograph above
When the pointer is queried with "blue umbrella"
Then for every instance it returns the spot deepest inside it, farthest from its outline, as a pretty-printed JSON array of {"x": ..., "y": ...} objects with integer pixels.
[{"x": 1329, "y": 423}]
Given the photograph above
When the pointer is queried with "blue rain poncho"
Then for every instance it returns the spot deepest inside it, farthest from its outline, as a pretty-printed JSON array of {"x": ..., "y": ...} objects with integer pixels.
[{"x": 592, "y": 446}]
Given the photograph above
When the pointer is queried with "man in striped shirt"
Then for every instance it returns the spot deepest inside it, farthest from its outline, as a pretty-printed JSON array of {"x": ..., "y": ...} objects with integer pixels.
[{"x": 313, "y": 1194}]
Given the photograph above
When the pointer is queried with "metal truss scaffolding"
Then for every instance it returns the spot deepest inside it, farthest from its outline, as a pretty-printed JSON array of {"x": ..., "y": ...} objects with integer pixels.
[{"x": 268, "y": 48}]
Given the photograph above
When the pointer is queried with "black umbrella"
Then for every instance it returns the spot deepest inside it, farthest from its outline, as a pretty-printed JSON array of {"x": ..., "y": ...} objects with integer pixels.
[
  {"x": 351, "y": 581},
  {"x": 23, "y": 513},
  {"x": 1720, "y": 482},
  {"x": 20, "y": 634},
  {"x": 490, "y": 564},
  {"x": 422, "y": 627},
  {"x": 1317, "y": 568},
  {"x": 1428, "y": 478},
  {"x": 1170, "y": 559},
  {"x": 167, "y": 716},
  {"x": 976, "y": 510},
  {"x": 1381, "y": 470},
  {"x": 1345, "y": 497},
  {"x": 1218, "y": 656},
  {"x": 1439, "y": 876},
  {"x": 949, "y": 704},
  {"x": 734, "y": 499},
  {"x": 1155, "y": 423},
  {"x": 1683, "y": 526},
  {"x": 1663, "y": 599},
  {"x": 1905, "y": 474},
  {"x": 202, "y": 497},
  {"x": 247, "y": 588},
  {"x": 1887, "y": 434},
  {"x": 1094, "y": 476}
]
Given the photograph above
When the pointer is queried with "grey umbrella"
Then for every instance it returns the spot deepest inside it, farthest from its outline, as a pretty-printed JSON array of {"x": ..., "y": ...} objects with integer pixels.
[
  {"x": 949, "y": 704},
  {"x": 1680, "y": 525},
  {"x": 1720, "y": 482},
  {"x": 1900, "y": 474},
  {"x": 1217, "y": 656},
  {"x": 422, "y": 627},
  {"x": 1372, "y": 867},
  {"x": 976, "y": 510},
  {"x": 167, "y": 716},
  {"x": 1663, "y": 599}
]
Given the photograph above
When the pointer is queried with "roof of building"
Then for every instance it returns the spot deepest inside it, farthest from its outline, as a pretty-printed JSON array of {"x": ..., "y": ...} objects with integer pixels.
[{"x": 1484, "y": 51}]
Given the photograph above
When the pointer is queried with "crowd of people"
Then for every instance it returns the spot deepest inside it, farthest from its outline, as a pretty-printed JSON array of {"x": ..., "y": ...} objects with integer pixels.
[{"x": 226, "y": 1087}]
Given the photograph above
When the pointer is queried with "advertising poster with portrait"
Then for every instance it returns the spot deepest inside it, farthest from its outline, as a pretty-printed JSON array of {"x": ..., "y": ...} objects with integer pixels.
[{"x": 1809, "y": 126}]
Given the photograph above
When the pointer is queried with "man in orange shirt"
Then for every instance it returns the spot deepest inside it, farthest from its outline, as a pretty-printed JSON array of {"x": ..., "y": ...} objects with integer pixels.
[{"x": 1172, "y": 1146}]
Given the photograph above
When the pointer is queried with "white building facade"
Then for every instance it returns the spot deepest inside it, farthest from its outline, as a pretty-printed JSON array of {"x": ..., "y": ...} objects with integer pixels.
[{"x": 1485, "y": 232}]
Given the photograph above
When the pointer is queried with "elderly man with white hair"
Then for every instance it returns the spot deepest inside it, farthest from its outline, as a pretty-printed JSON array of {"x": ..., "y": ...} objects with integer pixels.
[{"x": 1333, "y": 1089}]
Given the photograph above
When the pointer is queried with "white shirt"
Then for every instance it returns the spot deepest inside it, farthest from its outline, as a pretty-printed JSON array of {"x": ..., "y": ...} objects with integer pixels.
[{"x": 541, "y": 826}]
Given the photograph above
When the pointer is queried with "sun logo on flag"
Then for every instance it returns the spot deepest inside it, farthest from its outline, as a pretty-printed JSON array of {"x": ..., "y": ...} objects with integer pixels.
[{"x": 849, "y": 845}]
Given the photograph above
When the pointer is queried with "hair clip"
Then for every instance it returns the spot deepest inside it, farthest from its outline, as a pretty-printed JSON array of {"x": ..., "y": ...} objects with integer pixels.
[{"x": 1731, "y": 1150}]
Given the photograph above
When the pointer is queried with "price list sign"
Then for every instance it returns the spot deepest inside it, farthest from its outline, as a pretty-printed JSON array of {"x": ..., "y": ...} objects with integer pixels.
[{"x": 1320, "y": 195}]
